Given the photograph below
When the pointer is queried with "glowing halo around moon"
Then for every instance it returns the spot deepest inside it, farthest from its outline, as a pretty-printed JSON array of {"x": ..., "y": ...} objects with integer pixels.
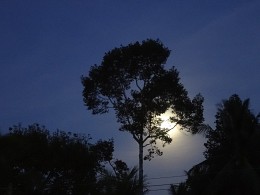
[{"x": 167, "y": 124}]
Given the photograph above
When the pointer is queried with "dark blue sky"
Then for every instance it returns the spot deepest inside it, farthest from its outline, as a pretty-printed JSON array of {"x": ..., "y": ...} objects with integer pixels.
[{"x": 45, "y": 46}]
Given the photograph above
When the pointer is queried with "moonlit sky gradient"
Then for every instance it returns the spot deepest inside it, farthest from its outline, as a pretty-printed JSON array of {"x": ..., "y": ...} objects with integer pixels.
[{"x": 46, "y": 45}]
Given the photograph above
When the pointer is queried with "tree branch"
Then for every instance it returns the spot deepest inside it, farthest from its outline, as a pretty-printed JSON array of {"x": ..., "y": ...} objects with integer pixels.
[
  {"x": 135, "y": 138},
  {"x": 136, "y": 82},
  {"x": 146, "y": 145},
  {"x": 114, "y": 169},
  {"x": 145, "y": 139},
  {"x": 111, "y": 101}
]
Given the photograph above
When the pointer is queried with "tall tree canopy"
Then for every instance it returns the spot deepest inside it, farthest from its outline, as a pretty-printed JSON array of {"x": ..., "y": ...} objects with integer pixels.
[{"x": 132, "y": 81}]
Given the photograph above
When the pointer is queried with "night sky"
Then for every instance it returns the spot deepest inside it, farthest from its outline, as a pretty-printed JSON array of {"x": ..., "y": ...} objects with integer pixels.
[{"x": 46, "y": 45}]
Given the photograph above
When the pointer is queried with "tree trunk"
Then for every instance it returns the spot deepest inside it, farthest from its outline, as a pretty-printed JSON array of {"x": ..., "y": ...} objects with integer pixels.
[{"x": 141, "y": 168}]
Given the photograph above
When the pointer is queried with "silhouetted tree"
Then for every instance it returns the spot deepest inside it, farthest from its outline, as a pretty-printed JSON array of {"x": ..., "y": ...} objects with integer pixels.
[
  {"x": 232, "y": 153},
  {"x": 34, "y": 161},
  {"x": 180, "y": 189},
  {"x": 235, "y": 125},
  {"x": 230, "y": 144},
  {"x": 121, "y": 180},
  {"x": 132, "y": 81}
]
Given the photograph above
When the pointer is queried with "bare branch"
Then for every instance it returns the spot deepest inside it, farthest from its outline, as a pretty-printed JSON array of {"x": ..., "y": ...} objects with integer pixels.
[
  {"x": 145, "y": 139},
  {"x": 135, "y": 138},
  {"x": 136, "y": 82},
  {"x": 146, "y": 145},
  {"x": 111, "y": 101},
  {"x": 169, "y": 129},
  {"x": 114, "y": 169}
]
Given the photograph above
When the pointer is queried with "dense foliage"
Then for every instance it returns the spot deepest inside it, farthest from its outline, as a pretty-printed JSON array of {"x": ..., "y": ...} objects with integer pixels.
[
  {"x": 232, "y": 154},
  {"x": 34, "y": 161}
]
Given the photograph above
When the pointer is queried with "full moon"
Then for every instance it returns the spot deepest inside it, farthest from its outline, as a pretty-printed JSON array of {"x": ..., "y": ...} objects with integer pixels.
[{"x": 166, "y": 123}]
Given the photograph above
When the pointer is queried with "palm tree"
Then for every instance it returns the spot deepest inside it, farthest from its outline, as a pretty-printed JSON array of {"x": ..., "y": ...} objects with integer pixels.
[
  {"x": 239, "y": 124},
  {"x": 231, "y": 153},
  {"x": 121, "y": 181},
  {"x": 181, "y": 189}
]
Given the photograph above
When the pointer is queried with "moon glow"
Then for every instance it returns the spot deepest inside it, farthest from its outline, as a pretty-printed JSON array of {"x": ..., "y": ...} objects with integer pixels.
[{"x": 167, "y": 124}]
